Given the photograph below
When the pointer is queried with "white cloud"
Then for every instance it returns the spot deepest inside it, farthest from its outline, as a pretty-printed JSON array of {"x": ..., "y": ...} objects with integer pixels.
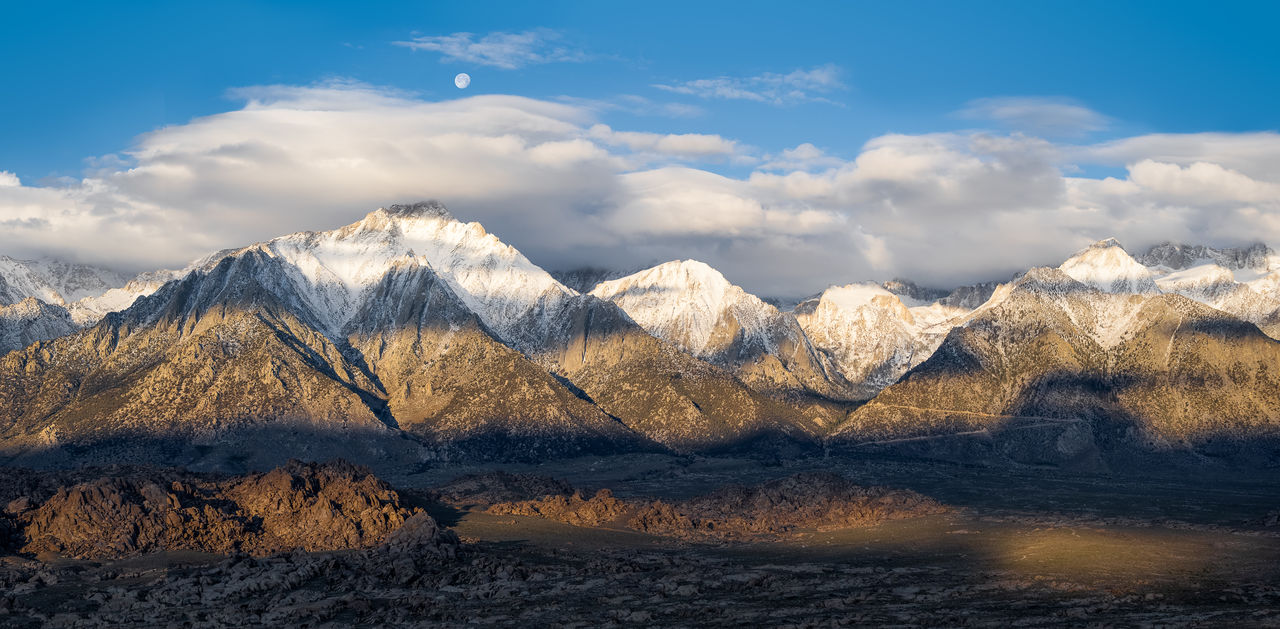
[
  {"x": 805, "y": 156},
  {"x": 682, "y": 202},
  {"x": 1254, "y": 154},
  {"x": 540, "y": 174},
  {"x": 567, "y": 190},
  {"x": 683, "y": 145},
  {"x": 1049, "y": 116},
  {"x": 8, "y": 179},
  {"x": 508, "y": 51},
  {"x": 1201, "y": 183},
  {"x": 797, "y": 86}
]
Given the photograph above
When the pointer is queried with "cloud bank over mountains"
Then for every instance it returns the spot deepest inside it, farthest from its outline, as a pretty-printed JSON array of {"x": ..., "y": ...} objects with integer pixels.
[{"x": 554, "y": 181}]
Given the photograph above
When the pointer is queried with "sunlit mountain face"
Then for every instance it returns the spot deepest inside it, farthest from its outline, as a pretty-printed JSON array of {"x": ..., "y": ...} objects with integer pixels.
[
  {"x": 673, "y": 315},
  {"x": 413, "y": 326}
]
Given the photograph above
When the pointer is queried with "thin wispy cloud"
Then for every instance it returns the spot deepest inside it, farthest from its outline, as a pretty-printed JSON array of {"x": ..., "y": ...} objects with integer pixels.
[
  {"x": 508, "y": 51},
  {"x": 797, "y": 86},
  {"x": 1045, "y": 116},
  {"x": 636, "y": 105}
]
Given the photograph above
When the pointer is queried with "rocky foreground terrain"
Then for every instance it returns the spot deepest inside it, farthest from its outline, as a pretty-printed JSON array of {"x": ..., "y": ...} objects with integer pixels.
[
  {"x": 821, "y": 501},
  {"x": 331, "y": 545},
  {"x": 334, "y": 506}
]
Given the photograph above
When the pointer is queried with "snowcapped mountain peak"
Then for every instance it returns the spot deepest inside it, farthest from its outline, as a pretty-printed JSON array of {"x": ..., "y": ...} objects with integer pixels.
[
  {"x": 689, "y": 303},
  {"x": 680, "y": 275},
  {"x": 393, "y": 221},
  {"x": 867, "y": 331},
  {"x": 336, "y": 269},
  {"x": 687, "y": 278},
  {"x": 854, "y": 296},
  {"x": 421, "y": 209},
  {"x": 1049, "y": 280},
  {"x": 1106, "y": 266}
]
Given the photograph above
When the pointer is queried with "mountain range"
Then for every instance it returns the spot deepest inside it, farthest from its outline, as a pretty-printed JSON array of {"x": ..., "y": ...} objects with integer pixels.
[{"x": 410, "y": 337}]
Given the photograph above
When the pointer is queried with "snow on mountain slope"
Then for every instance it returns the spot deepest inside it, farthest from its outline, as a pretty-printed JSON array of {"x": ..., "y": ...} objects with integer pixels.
[
  {"x": 90, "y": 310},
  {"x": 1171, "y": 256},
  {"x": 336, "y": 268},
  {"x": 1209, "y": 283},
  {"x": 1176, "y": 374},
  {"x": 19, "y": 280},
  {"x": 53, "y": 281},
  {"x": 871, "y": 337},
  {"x": 76, "y": 281},
  {"x": 1243, "y": 282},
  {"x": 1105, "y": 265},
  {"x": 31, "y": 320},
  {"x": 1106, "y": 317},
  {"x": 691, "y": 305},
  {"x": 87, "y": 292}
]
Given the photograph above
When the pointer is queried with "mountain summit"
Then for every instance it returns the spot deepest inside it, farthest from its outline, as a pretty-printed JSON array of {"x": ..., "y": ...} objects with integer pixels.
[
  {"x": 1106, "y": 266},
  {"x": 405, "y": 323},
  {"x": 421, "y": 209},
  {"x": 411, "y": 336}
]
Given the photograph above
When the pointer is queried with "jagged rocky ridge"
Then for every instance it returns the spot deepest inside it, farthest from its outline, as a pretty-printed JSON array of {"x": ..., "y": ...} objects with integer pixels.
[
  {"x": 694, "y": 307},
  {"x": 44, "y": 299},
  {"x": 1052, "y": 371},
  {"x": 405, "y": 324},
  {"x": 410, "y": 336}
]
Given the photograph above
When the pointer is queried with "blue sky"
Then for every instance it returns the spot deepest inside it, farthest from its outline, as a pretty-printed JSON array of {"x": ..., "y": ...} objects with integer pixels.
[
  {"x": 84, "y": 78},
  {"x": 912, "y": 108}
]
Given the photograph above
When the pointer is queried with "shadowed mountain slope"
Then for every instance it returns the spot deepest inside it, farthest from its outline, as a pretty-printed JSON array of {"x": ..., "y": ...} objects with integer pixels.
[
  {"x": 1095, "y": 374},
  {"x": 693, "y": 307},
  {"x": 406, "y": 323}
]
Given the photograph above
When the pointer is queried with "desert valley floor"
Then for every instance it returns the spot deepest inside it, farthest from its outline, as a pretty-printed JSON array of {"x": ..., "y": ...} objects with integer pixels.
[{"x": 1025, "y": 547}]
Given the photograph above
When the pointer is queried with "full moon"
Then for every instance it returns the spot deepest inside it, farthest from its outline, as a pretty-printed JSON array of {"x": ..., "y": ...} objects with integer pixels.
[{"x": 462, "y": 80}]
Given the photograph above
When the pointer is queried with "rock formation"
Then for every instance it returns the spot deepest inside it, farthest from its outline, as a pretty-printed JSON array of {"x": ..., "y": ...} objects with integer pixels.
[{"x": 312, "y": 507}]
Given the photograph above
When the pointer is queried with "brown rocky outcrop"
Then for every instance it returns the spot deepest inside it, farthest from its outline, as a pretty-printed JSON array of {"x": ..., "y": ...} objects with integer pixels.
[
  {"x": 602, "y": 508},
  {"x": 300, "y": 506},
  {"x": 815, "y": 500},
  {"x": 495, "y": 487}
]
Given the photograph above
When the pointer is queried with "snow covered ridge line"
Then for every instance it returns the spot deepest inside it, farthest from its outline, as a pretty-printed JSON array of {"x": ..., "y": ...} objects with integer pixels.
[{"x": 685, "y": 302}]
